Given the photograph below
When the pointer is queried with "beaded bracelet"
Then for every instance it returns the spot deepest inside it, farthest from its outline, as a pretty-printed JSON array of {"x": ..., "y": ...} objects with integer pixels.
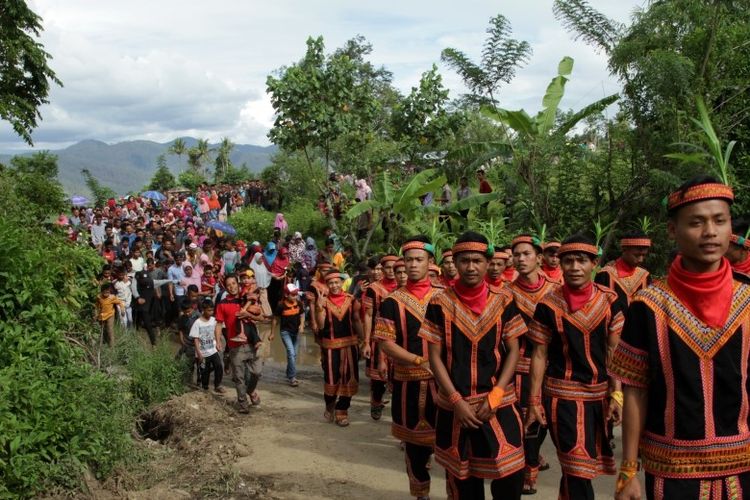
[
  {"x": 535, "y": 401},
  {"x": 618, "y": 397},
  {"x": 418, "y": 360},
  {"x": 455, "y": 397},
  {"x": 628, "y": 470}
]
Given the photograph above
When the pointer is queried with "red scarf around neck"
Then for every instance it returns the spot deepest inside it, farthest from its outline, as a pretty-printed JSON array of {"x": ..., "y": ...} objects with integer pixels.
[
  {"x": 497, "y": 282},
  {"x": 448, "y": 282},
  {"x": 554, "y": 273},
  {"x": 576, "y": 298},
  {"x": 707, "y": 295},
  {"x": 624, "y": 270},
  {"x": 389, "y": 285},
  {"x": 337, "y": 299},
  {"x": 475, "y": 298},
  {"x": 510, "y": 274},
  {"x": 744, "y": 266},
  {"x": 419, "y": 288},
  {"x": 530, "y": 287}
]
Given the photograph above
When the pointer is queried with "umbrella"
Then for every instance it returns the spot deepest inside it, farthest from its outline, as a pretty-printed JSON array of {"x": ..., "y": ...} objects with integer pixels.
[
  {"x": 79, "y": 201},
  {"x": 224, "y": 227},
  {"x": 154, "y": 195}
]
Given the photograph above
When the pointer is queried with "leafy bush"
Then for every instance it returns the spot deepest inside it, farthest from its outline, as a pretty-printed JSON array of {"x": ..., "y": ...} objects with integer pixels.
[{"x": 253, "y": 223}]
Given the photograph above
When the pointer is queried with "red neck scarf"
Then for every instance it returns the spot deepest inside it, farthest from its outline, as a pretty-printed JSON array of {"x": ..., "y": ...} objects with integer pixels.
[
  {"x": 496, "y": 282},
  {"x": 389, "y": 285},
  {"x": 530, "y": 287},
  {"x": 337, "y": 299},
  {"x": 744, "y": 266},
  {"x": 474, "y": 298},
  {"x": 707, "y": 295},
  {"x": 623, "y": 268},
  {"x": 419, "y": 288},
  {"x": 577, "y": 297},
  {"x": 448, "y": 282},
  {"x": 510, "y": 274},
  {"x": 554, "y": 273}
]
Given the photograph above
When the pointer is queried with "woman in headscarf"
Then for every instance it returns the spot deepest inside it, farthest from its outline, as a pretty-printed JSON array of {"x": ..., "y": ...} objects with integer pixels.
[
  {"x": 278, "y": 281},
  {"x": 310, "y": 256},
  {"x": 280, "y": 224},
  {"x": 262, "y": 277}
]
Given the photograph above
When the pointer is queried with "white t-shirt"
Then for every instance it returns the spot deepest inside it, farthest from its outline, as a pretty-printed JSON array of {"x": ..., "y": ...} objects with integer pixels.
[
  {"x": 204, "y": 329},
  {"x": 124, "y": 293}
]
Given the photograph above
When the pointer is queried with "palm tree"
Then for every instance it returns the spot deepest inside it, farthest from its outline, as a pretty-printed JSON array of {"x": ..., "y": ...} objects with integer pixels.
[
  {"x": 223, "y": 163},
  {"x": 178, "y": 148}
]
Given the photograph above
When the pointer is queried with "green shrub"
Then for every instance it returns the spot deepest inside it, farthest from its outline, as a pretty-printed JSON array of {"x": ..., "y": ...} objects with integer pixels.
[
  {"x": 304, "y": 217},
  {"x": 253, "y": 223}
]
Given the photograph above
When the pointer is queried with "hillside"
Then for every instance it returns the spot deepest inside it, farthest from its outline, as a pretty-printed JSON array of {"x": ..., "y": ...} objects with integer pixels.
[{"x": 128, "y": 166}]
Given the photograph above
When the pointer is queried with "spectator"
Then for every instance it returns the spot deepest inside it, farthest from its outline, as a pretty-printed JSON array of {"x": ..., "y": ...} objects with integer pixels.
[{"x": 207, "y": 342}]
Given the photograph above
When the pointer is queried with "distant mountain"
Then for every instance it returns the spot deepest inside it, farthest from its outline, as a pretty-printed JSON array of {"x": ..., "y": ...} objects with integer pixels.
[{"x": 129, "y": 166}]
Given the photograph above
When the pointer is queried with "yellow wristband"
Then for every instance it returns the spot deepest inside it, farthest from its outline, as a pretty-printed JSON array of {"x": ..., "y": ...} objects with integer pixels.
[
  {"x": 418, "y": 360},
  {"x": 495, "y": 397},
  {"x": 618, "y": 397}
]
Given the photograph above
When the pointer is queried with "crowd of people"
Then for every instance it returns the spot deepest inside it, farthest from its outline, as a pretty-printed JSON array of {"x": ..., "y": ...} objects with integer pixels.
[{"x": 485, "y": 349}]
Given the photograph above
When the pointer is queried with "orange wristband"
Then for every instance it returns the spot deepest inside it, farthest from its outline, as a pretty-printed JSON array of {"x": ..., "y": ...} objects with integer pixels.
[
  {"x": 495, "y": 397},
  {"x": 455, "y": 397}
]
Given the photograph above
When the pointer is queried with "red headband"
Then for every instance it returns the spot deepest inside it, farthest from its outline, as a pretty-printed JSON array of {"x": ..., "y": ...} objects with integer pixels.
[
  {"x": 501, "y": 255},
  {"x": 334, "y": 275},
  {"x": 579, "y": 247},
  {"x": 551, "y": 244},
  {"x": 698, "y": 193},
  {"x": 434, "y": 268},
  {"x": 388, "y": 258},
  {"x": 417, "y": 245},
  {"x": 399, "y": 263},
  {"x": 447, "y": 253},
  {"x": 740, "y": 241},
  {"x": 635, "y": 242},
  {"x": 470, "y": 246},
  {"x": 531, "y": 240}
]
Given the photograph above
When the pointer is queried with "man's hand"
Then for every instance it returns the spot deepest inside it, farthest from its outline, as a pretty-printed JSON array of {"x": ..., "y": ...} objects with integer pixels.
[
  {"x": 614, "y": 412},
  {"x": 631, "y": 491},
  {"x": 141, "y": 300},
  {"x": 535, "y": 414},
  {"x": 464, "y": 413},
  {"x": 242, "y": 314},
  {"x": 484, "y": 412},
  {"x": 367, "y": 350},
  {"x": 257, "y": 345}
]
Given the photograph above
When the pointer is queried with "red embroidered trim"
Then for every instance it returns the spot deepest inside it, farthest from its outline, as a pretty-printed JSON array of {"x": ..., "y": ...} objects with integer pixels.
[
  {"x": 698, "y": 193},
  {"x": 388, "y": 258},
  {"x": 522, "y": 239},
  {"x": 551, "y": 244}
]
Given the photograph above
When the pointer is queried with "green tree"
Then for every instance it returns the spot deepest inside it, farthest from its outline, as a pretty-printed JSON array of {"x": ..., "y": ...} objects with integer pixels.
[
  {"x": 501, "y": 56},
  {"x": 191, "y": 179},
  {"x": 163, "y": 180},
  {"x": 30, "y": 187},
  {"x": 101, "y": 193},
  {"x": 421, "y": 120},
  {"x": 25, "y": 76},
  {"x": 178, "y": 148},
  {"x": 198, "y": 155},
  {"x": 223, "y": 163}
]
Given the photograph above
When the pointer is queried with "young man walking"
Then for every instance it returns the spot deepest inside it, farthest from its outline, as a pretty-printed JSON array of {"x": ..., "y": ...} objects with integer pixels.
[
  {"x": 624, "y": 275},
  {"x": 683, "y": 361},
  {"x": 473, "y": 332},
  {"x": 397, "y": 331},
  {"x": 575, "y": 329}
]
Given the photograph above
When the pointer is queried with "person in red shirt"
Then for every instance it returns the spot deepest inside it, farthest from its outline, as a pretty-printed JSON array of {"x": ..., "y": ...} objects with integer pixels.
[{"x": 244, "y": 361}]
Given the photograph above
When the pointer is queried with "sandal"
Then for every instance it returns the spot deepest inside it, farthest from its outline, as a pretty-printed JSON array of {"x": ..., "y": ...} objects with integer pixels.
[
  {"x": 342, "y": 421},
  {"x": 294, "y": 382},
  {"x": 328, "y": 416},
  {"x": 376, "y": 411},
  {"x": 255, "y": 399}
]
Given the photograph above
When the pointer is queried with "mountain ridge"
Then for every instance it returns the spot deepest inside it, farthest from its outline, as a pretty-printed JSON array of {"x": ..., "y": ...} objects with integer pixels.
[{"x": 129, "y": 165}]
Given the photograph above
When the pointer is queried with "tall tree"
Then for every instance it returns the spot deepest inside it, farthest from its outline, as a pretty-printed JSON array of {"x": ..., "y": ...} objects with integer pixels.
[
  {"x": 501, "y": 57},
  {"x": 163, "y": 179},
  {"x": 25, "y": 76},
  {"x": 101, "y": 193},
  {"x": 178, "y": 148},
  {"x": 223, "y": 162}
]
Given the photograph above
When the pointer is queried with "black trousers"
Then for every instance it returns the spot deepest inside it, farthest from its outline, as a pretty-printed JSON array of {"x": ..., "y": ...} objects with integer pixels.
[
  {"x": 417, "y": 457},
  {"x": 576, "y": 488},
  {"x": 212, "y": 363},
  {"x": 377, "y": 390},
  {"x": 341, "y": 403},
  {"x": 507, "y": 488}
]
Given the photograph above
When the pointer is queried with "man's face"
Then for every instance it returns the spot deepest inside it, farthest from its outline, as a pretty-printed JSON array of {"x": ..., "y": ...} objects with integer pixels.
[
  {"x": 551, "y": 259},
  {"x": 401, "y": 274},
  {"x": 577, "y": 268},
  {"x": 150, "y": 266},
  {"x": 471, "y": 267},
  {"x": 232, "y": 285},
  {"x": 334, "y": 286},
  {"x": 496, "y": 268},
  {"x": 525, "y": 258},
  {"x": 188, "y": 271},
  {"x": 702, "y": 232},
  {"x": 449, "y": 267},
  {"x": 417, "y": 264},
  {"x": 388, "y": 271},
  {"x": 634, "y": 256}
]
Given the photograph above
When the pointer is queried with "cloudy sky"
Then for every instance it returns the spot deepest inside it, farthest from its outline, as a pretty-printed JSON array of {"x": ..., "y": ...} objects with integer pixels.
[{"x": 162, "y": 69}]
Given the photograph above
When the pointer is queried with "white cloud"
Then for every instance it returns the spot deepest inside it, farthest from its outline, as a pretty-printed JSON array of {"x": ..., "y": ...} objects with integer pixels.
[{"x": 158, "y": 70}]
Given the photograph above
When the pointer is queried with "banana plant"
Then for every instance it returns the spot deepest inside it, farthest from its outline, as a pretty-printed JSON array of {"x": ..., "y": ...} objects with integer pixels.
[{"x": 708, "y": 148}]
